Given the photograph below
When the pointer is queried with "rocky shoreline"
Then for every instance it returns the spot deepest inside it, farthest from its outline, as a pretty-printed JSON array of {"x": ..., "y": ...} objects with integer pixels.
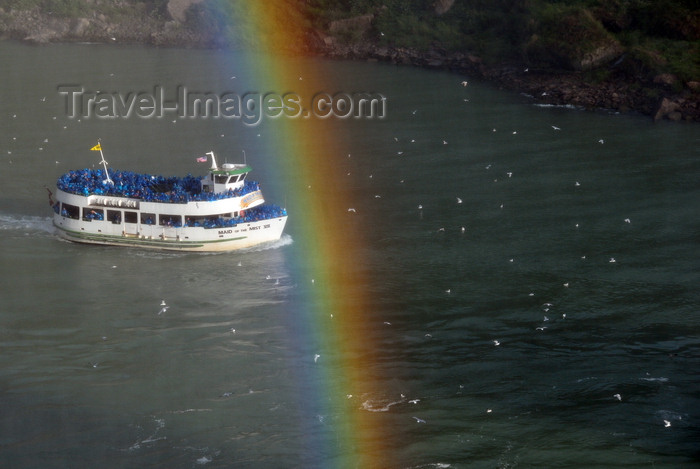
[{"x": 659, "y": 97}]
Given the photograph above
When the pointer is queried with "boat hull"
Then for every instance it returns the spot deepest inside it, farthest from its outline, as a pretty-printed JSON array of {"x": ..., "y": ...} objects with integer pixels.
[
  {"x": 241, "y": 236},
  {"x": 113, "y": 227}
]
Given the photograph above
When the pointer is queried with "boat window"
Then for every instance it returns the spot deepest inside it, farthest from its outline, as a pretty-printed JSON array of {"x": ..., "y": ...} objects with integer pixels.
[
  {"x": 219, "y": 179},
  {"x": 90, "y": 214},
  {"x": 194, "y": 221},
  {"x": 170, "y": 220},
  {"x": 148, "y": 218},
  {"x": 130, "y": 217},
  {"x": 70, "y": 211},
  {"x": 115, "y": 216}
]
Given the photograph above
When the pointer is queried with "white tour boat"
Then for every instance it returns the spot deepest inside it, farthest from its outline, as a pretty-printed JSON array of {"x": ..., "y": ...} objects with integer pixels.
[{"x": 221, "y": 211}]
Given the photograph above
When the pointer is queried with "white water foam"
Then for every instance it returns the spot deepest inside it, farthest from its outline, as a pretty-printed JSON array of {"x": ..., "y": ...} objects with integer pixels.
[
  {"x": 25, "y": 223},
  {"x": 285, "y": 240},
  {"x": 561, "y": 106},
  {"x": 377, "y": 405}
]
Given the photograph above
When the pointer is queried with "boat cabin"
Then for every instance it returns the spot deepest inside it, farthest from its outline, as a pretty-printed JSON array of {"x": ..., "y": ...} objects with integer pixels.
[{"x": 228, "y": 177}]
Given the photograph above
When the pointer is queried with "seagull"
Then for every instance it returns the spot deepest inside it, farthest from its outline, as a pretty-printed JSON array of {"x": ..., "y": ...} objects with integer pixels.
[
  {"x": 566, "y": 285},
  {"x": 627, "y": 220},
  {"x": 577, "y": 184},
  {"x": 601, "y": 141},
  {"x": 667, "y": 423},
  {"x": 618, "y": 397},
  {"x": 459, "y": 201},
  {"x": 444, "y": 142},
  {"x": 351, "y": 209},
  {"x": 420, "y": 207},
  {"x": 496, "y": 343},
  {"x": 612, "y": 260},
  {"x": 316, "y": 357},
  {"x": 555, "y": 127},
  {"x": 423, "y": 421},
  {"x": 463, "y": 229},
  {"x": 163, "y": 307},
  {"x": 541, "y": 328},
  {"x": 465, "y": 83},
  {"x": 414, "y": 401},
  {"x": 510, "y": 174}
]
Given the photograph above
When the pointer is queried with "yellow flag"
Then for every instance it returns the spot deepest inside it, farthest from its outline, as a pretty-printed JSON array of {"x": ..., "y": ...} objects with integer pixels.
[{"x": 96, "y": 148}]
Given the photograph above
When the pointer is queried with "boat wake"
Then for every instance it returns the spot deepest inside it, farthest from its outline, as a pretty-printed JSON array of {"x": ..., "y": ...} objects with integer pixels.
[
  {"x": 26, "y": 224},
  {"x": 285, "y": 240}
]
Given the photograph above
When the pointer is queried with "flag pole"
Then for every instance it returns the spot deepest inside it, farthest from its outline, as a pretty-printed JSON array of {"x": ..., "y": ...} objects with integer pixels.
[
  {"x": 213, "y": 161},
  {"x": 104, "y": 162}
]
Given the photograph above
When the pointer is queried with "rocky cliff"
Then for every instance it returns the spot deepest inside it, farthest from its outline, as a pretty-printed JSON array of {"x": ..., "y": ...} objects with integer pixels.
[{"x": 567, "y": 55}]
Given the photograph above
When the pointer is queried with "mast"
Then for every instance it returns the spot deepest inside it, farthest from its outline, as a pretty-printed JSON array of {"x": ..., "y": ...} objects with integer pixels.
[
  {"x": 104, "y": 162},
  {"x": 213, "y": 161}
]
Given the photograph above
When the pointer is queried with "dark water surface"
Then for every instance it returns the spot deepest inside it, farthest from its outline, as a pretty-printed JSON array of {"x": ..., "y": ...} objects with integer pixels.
[{"x": 578, "y": 257}]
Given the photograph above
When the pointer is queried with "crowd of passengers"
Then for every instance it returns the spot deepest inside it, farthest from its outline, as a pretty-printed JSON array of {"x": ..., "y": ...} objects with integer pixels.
[
  {"x": 144, "y": 186},
  {"x": 261, "y": 212}
]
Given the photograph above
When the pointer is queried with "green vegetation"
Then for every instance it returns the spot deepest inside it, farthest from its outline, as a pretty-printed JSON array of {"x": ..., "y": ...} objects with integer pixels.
[
  {"x": 650, "y": 36},
  {"x": 656, "y": 36}
]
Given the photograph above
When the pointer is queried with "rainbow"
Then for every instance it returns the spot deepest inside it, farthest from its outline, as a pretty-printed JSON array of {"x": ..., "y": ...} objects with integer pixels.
[{"x": 327, "y": 237}]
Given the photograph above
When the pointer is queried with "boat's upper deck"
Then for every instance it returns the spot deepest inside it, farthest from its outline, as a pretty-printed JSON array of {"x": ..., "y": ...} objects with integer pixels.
[{"x": 146, "y": 187}]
